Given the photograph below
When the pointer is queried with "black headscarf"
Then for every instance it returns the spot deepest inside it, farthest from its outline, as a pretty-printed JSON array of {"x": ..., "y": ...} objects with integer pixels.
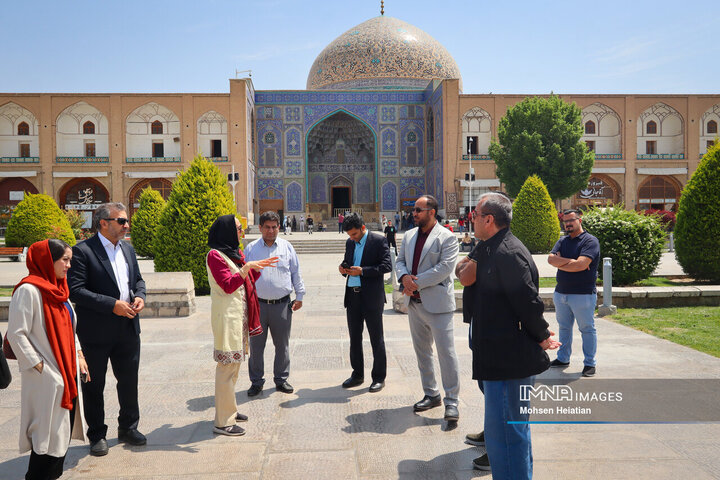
[{"x": 223, "y": 237}]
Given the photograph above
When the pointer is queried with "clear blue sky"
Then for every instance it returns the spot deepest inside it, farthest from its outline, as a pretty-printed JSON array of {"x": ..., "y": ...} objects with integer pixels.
[{"x": 629, "y": 46}]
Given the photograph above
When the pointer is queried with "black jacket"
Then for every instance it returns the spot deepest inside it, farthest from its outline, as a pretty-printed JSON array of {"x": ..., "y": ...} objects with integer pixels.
[
  {"x": 94, "y": 290},
  {"x": 375, "y": 263},
  {"x": 507, "y": 312}
]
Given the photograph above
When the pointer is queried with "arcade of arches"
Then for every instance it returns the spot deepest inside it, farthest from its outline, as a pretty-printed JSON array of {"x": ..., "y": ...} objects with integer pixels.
[
  {"x": 12, "y": 191},
  {"x": 162, "y": 185}
]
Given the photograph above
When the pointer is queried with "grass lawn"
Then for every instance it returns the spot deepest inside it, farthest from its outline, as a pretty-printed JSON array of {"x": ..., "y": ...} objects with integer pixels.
[
  {"x": 694, "y": 327},
  {"x": 5, "y": 292}
]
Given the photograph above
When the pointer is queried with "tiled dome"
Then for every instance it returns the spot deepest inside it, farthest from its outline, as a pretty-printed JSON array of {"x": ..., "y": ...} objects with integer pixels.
[{"x": 380, "y": 53}]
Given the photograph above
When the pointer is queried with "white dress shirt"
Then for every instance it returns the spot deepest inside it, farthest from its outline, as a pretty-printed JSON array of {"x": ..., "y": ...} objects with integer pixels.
[{"x": 119, "y": 266}]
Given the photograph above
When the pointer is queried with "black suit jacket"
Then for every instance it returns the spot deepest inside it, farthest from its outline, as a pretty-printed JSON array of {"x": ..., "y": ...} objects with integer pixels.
[
  {"x": 94, "y": 290},
  {"x": 375, "y": 263}
]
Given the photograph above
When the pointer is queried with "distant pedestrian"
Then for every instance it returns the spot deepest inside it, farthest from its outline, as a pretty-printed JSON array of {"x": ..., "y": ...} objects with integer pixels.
[
  {"x": 310, "y": 224},
  {"x": 397, "y": 219},
  {"x": 302, "y": 223},
  {"x": 576, "y": 256},
  {"x": 390, "y": 232},
  {"x": 294, "y": 223},
  {"x": 383, "y": 222},
  {"x": 341, "y": 218}
]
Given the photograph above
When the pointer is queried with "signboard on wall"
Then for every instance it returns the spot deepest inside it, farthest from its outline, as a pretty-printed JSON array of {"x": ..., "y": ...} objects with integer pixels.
[
  {"x": 16, "y": 196},
  {"x": 597, "y": 189}
]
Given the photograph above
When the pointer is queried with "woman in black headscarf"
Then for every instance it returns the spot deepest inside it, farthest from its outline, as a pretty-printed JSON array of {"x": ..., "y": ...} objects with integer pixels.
[{"x": 234, "y": 314}]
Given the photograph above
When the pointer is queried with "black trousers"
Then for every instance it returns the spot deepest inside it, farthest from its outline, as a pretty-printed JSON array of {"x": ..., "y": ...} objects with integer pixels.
[
  {"x": 47, "y": 467},
  {"x": 124, "y": 356},
  {"x": 358, "y": 314},
  {"x": 392, "y": 243}
]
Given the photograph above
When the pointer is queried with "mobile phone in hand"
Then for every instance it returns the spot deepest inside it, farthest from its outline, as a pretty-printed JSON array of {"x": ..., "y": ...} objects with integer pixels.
[
  {"x": 83, "y": 377},
  {"x": 345, "y": 264}
]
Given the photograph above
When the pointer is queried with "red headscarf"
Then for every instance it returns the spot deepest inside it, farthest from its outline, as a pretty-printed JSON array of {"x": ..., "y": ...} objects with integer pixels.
[{"x": 58, "y": 324}]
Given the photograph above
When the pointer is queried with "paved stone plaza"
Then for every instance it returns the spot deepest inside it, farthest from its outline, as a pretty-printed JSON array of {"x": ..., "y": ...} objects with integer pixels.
[{"x": 324, "y": 431}]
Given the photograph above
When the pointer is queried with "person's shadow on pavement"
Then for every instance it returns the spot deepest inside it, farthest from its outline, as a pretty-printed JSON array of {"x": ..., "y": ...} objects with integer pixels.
[{"x": 442, "y": 465}]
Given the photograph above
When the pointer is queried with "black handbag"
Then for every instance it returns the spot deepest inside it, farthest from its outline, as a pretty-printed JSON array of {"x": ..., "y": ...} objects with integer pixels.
[
  {"x": 5, "y": 375},
  {"x": 7, "y": 349}
]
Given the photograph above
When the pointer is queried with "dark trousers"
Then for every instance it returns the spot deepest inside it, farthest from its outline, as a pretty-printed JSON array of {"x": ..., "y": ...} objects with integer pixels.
[
  {"x": 392, "y": 243},
  {"x": 47, "y": 467},
  {"x": 275, "y": 319},
  {"x": 358, "y": 314},
  {"x": 124, "y": 356}
]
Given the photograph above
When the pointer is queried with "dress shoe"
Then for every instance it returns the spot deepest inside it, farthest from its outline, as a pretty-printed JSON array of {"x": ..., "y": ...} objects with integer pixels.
[
  {"x": 99, "y": 448},
  {"x": 254, "y": 390},
  {"x": 427, "y": 403},
  {"x": 231, "y": 431},
  {"x": 352, "y": 382},
  {"x": 376, "y": 386},
  {"x": 451, "y": 413},
  {"x": 239, "y": 417},
  {"x": 132, "y": 437},
  {"x": 284, "y": 387}
]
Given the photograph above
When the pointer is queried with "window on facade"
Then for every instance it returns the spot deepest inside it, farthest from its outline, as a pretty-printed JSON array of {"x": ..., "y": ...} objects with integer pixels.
[
  {"x": 88, "y": 128},
  {"x": 216, "y": 148},
  {"x": 158, "y": 150},
  {"x": 710, "y": 144},
  {"x": 657, "y": 193},
  {"x": 590, "y": 145},
  {"x": 25, "y": 150},
  {"x": 471, "y": 145},
  {"x": 269, "y": 138},
  {"x": 268, "y": 112},
  {"x": 651, "y": 147},
  {"x": 90, "y": 149},
  {"x": 156, "y": 128},
  {"x": 23, "y": 129},
  {"x": 430, "y": 127},
  {"x": 269, "y": 157},
  {"x": 651, "y": 127},
  {"x": 340, "y": 155},
  {"x": 589, "y": 127},
  {"x": 411, "y": 155},
  {"x": 712, "y": 127}
]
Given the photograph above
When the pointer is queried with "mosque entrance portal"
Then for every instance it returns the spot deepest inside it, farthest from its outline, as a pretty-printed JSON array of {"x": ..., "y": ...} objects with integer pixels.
[{"x": 341, "y": 166}]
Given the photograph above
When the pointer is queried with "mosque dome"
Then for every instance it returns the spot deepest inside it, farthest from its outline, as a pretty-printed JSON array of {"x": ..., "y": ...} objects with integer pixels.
[{"x": 383, "y": 52}]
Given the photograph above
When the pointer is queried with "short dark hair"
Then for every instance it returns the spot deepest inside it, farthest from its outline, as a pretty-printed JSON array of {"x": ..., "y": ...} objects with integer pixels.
[
  {"x": 572, "y": 210},
  {"x": 352, "y": 221},
  {"x": 57, "y": 248},
  {"x": 269, "y": 216},
  {"x": 431, "y": 202},
  {"x": 103, "y": 212},
  {"x": 499, "y": 206}
]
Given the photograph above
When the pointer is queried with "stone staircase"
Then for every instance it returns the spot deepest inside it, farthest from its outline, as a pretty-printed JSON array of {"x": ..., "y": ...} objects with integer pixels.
[{"x": 309, "y": 244}]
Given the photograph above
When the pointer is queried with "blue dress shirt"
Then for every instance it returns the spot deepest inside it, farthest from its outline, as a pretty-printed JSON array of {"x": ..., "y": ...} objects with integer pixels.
[{"x": 354, "y": 281}]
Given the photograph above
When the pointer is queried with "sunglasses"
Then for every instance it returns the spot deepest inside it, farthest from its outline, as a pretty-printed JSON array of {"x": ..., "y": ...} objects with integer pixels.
[
  {"x": 418, "y": 209},
  {"x": 121, "y": 221}
]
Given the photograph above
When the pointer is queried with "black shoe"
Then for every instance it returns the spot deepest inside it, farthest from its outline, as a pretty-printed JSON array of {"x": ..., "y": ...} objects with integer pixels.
[
  {"x": 231, "y": 431},
  {"x": 239, "y": 417},
  {"x": 477, "y": 439},
  {"x": 99, "y": 448},
  {"x": 254, "y": 390},
  {"x": 588, "y": 371},
  {"x": 352, "y": 382},
  {"x": 284, "y": 387},
  {"x": 376, "y": 386},
  {"x": 451, "y": 413},
  {"x": 427, "y": 403},
  {"x": 558, "y": 364},
  {"x": 482, "y": 463},
  {"x": 132, "y": 437}
]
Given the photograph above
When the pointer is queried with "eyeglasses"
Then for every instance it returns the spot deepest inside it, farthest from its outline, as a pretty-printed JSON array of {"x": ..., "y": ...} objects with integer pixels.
[
  {"x": 569, "y": 221},
  {"x": 418, "y": 209},
  {"x": 120, "y": 220},
  {"x": 475, "y": 214}
]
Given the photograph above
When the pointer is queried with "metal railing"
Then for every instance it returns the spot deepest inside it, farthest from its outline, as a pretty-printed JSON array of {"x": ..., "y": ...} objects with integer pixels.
[
  {"x": 19, "y": 159},
  {"x": 608, "y": 156},
  {"x": 218, "y": 159},
  {"x": 82, "y": 159},
  {"x": 476, "y": 156},
  {"x": 661, "y": 156},
  {"x": 338, "y": 211},
  {"x": 152, "y": 160}
]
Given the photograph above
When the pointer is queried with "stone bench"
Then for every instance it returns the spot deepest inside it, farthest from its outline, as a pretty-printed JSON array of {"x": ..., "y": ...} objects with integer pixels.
[{"x": 169, "y": 294}]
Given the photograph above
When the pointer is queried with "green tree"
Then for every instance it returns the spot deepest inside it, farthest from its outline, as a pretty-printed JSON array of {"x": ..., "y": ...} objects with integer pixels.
[
  {"x": 37, "y": 217},
  {"x": 697, "y": 231},
  {"x": 634, "y": 241},
  {"x": 541, "y": 136},
  {"x": 198, "y": 197},
  {"x": 145, "y": 221},
  {"x": 535, "y": 219}
]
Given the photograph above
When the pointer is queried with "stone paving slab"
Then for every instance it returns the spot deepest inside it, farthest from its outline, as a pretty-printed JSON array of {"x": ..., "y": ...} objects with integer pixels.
[{"x": 324, "y": 431}]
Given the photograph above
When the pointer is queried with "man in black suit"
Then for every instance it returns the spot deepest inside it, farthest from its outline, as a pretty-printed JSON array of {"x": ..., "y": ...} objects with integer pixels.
[
  {"x": 367, "y": 260},
  {"x": 109, "y": 293}
]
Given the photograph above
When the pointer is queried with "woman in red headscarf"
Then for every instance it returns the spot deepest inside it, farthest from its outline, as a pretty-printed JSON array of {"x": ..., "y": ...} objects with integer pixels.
[{"x": 41, "y": 331}]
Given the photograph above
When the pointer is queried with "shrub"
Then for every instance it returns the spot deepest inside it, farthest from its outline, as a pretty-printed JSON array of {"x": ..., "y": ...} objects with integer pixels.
[
  {"x": 697, "y": 232},
  {"x": 634, "y": 241},
  {"x": 198, "y": 197},
  {"x": 76, "y": 221},
  {"x": 535, "y": 219},
  {"x": 145, "y": 221},
  {"x": 666, "y": 218},
  {"x": 37, "y": 217}
]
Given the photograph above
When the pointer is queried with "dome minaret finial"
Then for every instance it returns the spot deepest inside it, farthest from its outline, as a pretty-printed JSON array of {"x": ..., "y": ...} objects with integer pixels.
[{"x": 382, "y": 7}]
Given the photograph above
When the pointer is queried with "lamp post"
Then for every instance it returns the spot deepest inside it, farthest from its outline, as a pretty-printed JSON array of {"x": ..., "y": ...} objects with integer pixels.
[
  {"x": 471, "y": 180},
  {"x": 233, "y": 180}
]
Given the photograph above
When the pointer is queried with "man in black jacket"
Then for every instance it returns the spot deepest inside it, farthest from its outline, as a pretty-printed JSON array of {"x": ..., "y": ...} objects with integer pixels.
[
  {"x": 367, "y": 260},
  {"x": 509, "y": 335},
  {"x": 109, "y": 293}
]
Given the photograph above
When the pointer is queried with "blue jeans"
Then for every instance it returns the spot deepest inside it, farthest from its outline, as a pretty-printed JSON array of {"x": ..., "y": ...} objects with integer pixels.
[
  {"x": 580, "y": 308},
  {"x": 508, "y": 446}
]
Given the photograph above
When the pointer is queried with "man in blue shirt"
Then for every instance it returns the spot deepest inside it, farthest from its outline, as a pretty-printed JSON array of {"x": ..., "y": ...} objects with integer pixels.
[
  {"x": 367, "y": 260},
  {"x": 576, "y": 256},
  {"x": 273, "y": 289}
]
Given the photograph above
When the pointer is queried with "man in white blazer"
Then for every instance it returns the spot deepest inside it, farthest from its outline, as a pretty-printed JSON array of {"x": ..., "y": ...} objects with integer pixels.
[{"x": 424, "y": 268}]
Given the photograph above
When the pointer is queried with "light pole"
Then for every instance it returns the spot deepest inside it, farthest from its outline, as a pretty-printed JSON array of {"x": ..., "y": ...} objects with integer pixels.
[{"x": 471, "y": 179}]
